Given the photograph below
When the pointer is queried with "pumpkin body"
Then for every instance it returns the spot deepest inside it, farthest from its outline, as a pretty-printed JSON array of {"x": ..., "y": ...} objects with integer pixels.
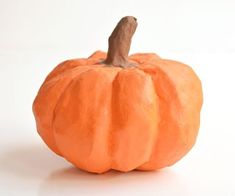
[{"x": 100, "y": 117}]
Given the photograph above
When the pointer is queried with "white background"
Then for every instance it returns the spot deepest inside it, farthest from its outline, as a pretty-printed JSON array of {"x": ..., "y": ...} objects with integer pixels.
[{"x": 37, "y": 35}]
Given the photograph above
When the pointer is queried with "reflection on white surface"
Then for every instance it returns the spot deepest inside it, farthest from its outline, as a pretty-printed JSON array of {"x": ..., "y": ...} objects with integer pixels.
[
  {"x": 37, "y": 171},
  {"x": 137, "y": 183}
]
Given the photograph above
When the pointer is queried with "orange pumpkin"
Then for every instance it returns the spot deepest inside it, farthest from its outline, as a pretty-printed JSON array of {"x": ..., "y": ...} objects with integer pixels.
[{"x": 111, "y": 111}]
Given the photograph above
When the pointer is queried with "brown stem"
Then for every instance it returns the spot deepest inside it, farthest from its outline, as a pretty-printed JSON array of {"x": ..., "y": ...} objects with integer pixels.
[{"x": 120, "y": 41}]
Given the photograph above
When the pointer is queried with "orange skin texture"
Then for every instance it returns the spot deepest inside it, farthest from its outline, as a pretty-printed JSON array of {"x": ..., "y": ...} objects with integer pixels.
[{"x": 101, "y": 117}]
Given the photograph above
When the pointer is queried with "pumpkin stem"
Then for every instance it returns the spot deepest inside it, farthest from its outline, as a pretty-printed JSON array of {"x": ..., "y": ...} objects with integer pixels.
[{"x": 120, "y": 41}]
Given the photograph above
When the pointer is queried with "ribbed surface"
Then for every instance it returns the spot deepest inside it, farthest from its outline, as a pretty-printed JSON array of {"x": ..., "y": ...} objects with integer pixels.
[{"x": 102, "y": 118}]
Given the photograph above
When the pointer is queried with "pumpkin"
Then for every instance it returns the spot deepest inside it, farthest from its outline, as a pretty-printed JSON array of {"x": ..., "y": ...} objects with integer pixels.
[{"x": 114, "y": 111}]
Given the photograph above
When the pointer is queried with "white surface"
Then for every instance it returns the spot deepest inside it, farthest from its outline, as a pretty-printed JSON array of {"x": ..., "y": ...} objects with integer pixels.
[{"x": 37, "y": 35}]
